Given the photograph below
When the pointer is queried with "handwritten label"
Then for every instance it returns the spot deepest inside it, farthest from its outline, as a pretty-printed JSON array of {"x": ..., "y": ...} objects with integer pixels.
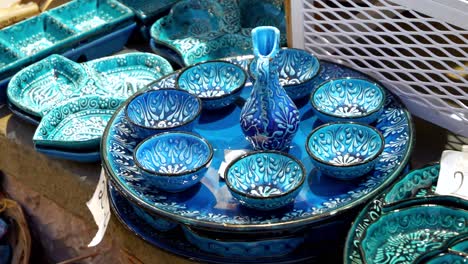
[
  {"x": 229, "y": 155},
  {"x": 453, "y": 173},
  {"x": 99, "y": 207}
]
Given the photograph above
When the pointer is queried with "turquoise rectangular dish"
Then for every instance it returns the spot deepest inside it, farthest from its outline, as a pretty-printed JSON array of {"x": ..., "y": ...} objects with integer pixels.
[
  {"x": 34, "y": 35},
  {"x": 92, "y": 17}
]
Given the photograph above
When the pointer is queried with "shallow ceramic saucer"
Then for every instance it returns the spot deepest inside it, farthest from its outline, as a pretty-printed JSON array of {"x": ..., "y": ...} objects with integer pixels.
[
  {"x": 76, "y": 124},
  {"x": 123, "y": 75}
]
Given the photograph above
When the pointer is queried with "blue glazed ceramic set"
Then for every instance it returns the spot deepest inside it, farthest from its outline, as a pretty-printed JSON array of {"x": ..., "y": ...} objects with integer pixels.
[
  {"x": 163, "y": 151},
  {"x": 79, "y": 29},
  {"x": 409, "y": 223}
]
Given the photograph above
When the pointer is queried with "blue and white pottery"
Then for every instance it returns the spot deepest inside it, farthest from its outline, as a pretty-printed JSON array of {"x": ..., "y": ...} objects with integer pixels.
[
  {"x": 345, "y": 150},
  {"x": 162, "y": 110},
  {"x": 265, "y": 180},
  {"x": 248, "y": 248},
  {"x": 77, "y": 124},
  {"x": 37, "y": 88},
  {"x": 297, "y": 69},
  {"x": 348, "y": 99},
  {"x": 216, "y": 83},
  {"x": 173, "y": 161},
  {"x": 409, "y": 231},
  {"x": 269, "y": 118},
  {"x": 454, "y": 251},
  {"x": 211, "y": 205}
]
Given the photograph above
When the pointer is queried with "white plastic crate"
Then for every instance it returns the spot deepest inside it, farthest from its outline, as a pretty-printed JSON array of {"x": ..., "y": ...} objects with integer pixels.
[{"x": 417, "y": 48}]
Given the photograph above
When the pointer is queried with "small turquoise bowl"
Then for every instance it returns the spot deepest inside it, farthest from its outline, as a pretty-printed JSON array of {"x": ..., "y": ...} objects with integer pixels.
[
  {"x": 157, "y": 111},
  {"x": 345, "y": 150},
  {"x": 265, "y": 180},
  {"x": 297, "y": 69},
  {"x": 173, "y": 161},
  {"x": 348, "y": 99},
  {"x": 216, "y": 83}
]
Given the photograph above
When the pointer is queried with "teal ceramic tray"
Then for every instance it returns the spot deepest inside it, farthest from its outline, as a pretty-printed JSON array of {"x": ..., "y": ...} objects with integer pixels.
[
  {"x": 417, "y": 184},
  {"x": 76, "y": 124},
  {"x": 127, "y": 73},
  {"x": 38, "y": 88},
  {"x": 210, "y": 29},
  {"x": 58, "y": 31},
  {"x": 92, "y": 17}
]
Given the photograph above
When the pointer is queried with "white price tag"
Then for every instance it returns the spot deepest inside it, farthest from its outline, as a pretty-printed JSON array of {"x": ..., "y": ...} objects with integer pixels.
[
  {"x": 453, "y": 170},
  {"x": 99, "y": 207},
  {"x": 229, "y": 155}
]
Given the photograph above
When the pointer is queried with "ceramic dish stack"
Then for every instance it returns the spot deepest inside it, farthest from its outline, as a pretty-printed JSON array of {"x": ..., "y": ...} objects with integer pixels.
[
  {"x": 80, "y": 29},
  {"x": 71, "y": 102},
  {"x": 205, "y": 222},
  {"x": 409, "y": 223},
  {"x": 196, "y": 30}
]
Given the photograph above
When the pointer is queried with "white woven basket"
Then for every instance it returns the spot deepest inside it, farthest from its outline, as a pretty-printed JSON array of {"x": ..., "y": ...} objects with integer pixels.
[{"x": 417, "y": 48}]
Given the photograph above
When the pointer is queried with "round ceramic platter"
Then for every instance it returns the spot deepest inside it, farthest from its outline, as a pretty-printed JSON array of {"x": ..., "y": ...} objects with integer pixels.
[
  {"x": 175, "y": 242},
  {"x": 210, "y": 204},
  {"x": 418, "y": 183}
]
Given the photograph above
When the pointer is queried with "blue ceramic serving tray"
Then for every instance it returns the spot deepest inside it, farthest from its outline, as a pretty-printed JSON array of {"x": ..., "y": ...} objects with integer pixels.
[
  {"x": 210, "y": 29},
  {"x": 210, "y": 205},
  {"x": 174, "y": 241},
  {"x": 91, "y": 156},
  {"x": 418, "y": 183},
  {"x": 76, "y": 124}
]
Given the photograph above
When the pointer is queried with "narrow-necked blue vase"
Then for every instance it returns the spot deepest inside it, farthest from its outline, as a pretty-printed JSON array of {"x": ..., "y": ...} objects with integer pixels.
[{"x": 269, "y": 118}]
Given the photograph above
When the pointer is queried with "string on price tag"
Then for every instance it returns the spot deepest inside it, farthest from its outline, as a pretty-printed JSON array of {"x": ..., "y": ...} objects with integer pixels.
[
  {"x": 453, "y": 173},
  {"x": 99, "y": 207}
]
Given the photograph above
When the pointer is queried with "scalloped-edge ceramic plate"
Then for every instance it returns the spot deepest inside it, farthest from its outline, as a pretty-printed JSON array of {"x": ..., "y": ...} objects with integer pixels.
[
  {"x": 417, "y": 183},
  {"x": 210, "y": 205},
  {"x": 91, "y": 156},
  {"x": 77, "y": 124}
]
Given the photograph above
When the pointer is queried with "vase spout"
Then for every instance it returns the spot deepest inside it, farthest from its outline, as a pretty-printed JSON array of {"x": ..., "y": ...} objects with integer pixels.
[{"x": 266, "y": 40}]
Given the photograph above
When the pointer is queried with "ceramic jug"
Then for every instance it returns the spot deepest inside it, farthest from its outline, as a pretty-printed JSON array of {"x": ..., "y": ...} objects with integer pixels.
[{"x": 269, "y": 118}]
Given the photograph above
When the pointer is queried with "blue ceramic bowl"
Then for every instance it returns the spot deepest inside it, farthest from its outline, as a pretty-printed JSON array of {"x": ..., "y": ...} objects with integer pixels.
[
  {"x": 162, "y": 110},
  {"x": 173, "y": 161},
  {"x": 216, "y": 83},
  {"x": 265, "y": 180},
  {"x": 345, "y": 150},
  {"x": 296, "y": 72},
  {"x": 348, "y": 99}
]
